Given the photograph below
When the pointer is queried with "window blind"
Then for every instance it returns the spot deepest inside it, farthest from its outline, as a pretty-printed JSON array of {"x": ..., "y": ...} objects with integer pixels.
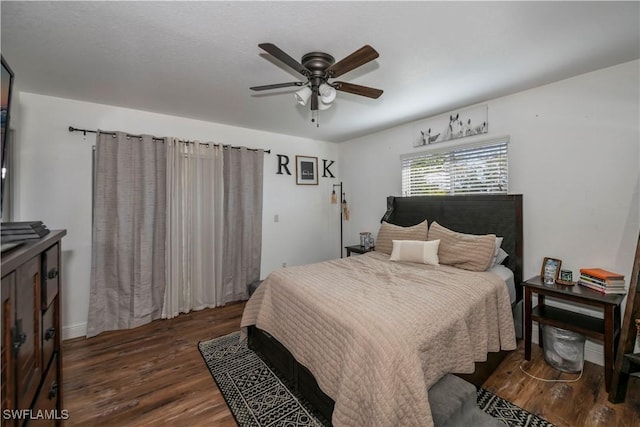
[{"x": 479, "y": 168}]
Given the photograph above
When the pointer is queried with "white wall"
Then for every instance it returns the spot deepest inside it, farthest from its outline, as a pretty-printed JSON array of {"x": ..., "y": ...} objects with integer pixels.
[
  {"x": 574, "y": 155},
  {"x": 53, "y": 182}
]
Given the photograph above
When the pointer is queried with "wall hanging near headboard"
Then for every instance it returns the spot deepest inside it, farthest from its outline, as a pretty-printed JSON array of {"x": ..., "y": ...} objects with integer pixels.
[{"x": 453, "y": 125}]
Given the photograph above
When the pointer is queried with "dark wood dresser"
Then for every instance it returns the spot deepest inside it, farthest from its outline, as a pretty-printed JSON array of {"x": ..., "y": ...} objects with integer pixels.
[{"x": 31, "y": 341}]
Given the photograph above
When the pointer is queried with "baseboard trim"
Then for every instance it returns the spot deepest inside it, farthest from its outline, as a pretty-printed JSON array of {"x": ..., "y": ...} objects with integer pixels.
[
  {"x": 74, "y": 331},
  {"x": 593, "y": 352}
]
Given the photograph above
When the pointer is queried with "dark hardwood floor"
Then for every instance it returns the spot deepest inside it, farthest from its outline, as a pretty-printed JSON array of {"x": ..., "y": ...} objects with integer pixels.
[
  {"x": 583, "y": 403},
  {"x": 154, "y": 376}
]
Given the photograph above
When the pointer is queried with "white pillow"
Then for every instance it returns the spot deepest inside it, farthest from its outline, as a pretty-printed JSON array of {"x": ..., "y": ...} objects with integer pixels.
[
  {"x": 497, "y": 251},
  {"x": 424, "y": 252},
  {"x": 502, "y": 255}
]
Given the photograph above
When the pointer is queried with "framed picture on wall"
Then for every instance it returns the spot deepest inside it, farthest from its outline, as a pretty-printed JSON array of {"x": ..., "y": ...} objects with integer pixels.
[{"x": 306, "y": 170}]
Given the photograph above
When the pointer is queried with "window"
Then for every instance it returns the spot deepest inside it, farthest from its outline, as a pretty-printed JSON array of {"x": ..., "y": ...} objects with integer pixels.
[{"x": 469, "y": 169}]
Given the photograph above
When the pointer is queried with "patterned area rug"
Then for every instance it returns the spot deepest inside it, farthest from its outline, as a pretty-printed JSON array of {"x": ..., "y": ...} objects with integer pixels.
[
  {"x": 257, "y": 397},
  {"x": 507, "y": 412}
]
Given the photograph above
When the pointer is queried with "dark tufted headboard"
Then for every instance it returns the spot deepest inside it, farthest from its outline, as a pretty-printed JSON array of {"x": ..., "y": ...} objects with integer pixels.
[{"x": 478, "y": 214}]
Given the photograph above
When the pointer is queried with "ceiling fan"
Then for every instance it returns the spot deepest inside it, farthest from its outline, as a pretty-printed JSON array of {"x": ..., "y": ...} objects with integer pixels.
[{"x": 319, "y": 68}]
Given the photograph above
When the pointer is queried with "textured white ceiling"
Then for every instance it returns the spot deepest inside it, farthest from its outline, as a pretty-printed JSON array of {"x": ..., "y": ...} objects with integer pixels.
[{"x": 198, "y": 59}]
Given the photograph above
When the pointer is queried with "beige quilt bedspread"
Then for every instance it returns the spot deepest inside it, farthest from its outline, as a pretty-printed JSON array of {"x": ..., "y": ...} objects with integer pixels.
[{"x": 378, "y": 334}]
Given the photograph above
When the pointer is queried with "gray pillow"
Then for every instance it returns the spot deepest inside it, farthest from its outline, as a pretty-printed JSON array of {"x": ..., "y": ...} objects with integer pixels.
[
  {"x": 466, "y": 251},
  {"x": 390, "y": 232}
]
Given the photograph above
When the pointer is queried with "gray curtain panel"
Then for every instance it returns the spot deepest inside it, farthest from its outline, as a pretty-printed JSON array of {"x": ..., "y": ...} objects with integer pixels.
[
  {"x": 242, "y": 240},
  {"x": 128, "y": 250}
]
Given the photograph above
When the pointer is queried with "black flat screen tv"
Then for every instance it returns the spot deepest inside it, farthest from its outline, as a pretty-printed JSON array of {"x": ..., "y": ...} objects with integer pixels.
[{"x": 7, "y": 86}]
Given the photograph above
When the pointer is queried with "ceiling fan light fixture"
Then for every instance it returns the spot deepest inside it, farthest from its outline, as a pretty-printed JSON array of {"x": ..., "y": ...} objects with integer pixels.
[
  {"x": 323, "y": 106},
  {"x": 327, "y": 93},
  {"x": 302, "y": 96},
  {"x": 317, "y": 68}
]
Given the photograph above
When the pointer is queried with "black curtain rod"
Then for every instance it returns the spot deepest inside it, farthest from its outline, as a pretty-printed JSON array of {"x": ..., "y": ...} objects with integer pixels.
[{"x": 85, "y": 131}]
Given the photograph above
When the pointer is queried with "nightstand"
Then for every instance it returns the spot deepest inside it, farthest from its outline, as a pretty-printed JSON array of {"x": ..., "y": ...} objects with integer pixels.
[
  {"x": 357, "y": 249},
  {"x": 606, "y": 330}
]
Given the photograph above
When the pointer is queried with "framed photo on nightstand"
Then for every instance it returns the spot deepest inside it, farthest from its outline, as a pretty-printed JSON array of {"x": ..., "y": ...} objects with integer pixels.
[{"x": 550, "y": 269}]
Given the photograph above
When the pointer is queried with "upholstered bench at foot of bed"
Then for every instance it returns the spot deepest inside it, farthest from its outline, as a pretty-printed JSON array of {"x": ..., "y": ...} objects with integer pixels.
[{"x": 454, "y": 404}]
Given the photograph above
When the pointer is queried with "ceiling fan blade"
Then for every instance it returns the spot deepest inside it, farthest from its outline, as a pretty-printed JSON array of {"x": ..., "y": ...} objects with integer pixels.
[
  {"x": 357, "y": 89},
  {"x": 282, "y": 56},
  {"x": 276, "y": 86},
  {"x": 360, "y": 57}
]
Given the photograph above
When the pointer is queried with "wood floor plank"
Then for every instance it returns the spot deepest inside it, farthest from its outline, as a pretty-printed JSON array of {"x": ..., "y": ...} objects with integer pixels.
[
  {"x": 154, "y": 375},
  {"x": 583, "y": 403},
  {"x": 148, "y": 376}
]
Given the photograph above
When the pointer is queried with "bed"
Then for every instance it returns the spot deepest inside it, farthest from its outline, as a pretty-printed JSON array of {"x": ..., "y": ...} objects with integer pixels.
[{"x": 337, "y": 326}]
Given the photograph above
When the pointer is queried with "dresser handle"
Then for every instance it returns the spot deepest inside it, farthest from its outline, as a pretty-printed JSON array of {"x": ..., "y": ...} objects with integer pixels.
[
  {"x": 53, "y": 273},
  {"x": 19, "y": 337},
  {"x": 53, "y": 390},
  {"x": 50, "y": 333}
]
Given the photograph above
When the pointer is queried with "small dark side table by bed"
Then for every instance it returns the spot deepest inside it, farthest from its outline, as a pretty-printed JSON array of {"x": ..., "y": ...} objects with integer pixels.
[
  {"x": 357, "y": 249},
  {"x": 606, "y": 330}
]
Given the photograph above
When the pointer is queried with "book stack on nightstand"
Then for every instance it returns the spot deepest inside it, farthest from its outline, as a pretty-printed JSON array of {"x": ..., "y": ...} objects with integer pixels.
[{"x": 601, "y": 280}]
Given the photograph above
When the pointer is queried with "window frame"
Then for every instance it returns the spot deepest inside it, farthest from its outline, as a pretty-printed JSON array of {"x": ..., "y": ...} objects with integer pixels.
[{"x": 456, "y": 177}]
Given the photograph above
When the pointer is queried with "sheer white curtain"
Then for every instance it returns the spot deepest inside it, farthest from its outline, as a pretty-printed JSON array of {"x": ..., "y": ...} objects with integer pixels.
[{"x": 194, "y": 227}]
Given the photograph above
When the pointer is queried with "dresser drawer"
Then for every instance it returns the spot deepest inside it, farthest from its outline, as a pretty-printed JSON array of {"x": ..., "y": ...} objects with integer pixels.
[
  {"x": 50, "y": 275},
  {"x": 47, "y": 400},
  {"x": 27, "y": 341},
  {"x": 49, "y": 334}
]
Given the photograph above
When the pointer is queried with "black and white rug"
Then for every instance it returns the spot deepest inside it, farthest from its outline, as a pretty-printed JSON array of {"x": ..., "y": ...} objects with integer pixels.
[
  {"x": 257, "y": 397},
  {"x": 507, "y": 412}
]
